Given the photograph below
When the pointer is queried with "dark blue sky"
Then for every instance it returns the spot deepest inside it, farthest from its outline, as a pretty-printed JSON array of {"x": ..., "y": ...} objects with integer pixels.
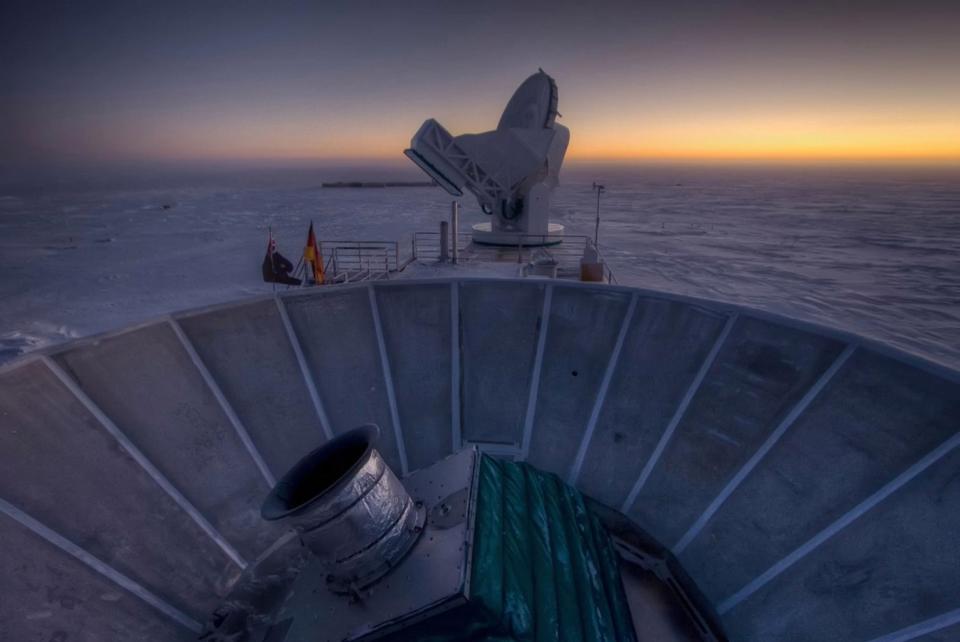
[{"x": 126, "y": 81}]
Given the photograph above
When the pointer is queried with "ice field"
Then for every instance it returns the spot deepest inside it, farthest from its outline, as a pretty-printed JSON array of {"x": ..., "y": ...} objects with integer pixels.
[{"x": 875, "y": 251}]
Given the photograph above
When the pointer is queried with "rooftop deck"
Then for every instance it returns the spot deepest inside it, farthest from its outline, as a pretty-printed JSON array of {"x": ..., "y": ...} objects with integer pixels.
[{"x": 558, "y": 257}]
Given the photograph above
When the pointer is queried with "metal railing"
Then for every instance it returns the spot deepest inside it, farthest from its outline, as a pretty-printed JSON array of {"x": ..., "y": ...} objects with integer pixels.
[
  {"x": 426, "y": 245},
  {"x": 351, "y": 261},
  {"x": 348, "y": 261}
]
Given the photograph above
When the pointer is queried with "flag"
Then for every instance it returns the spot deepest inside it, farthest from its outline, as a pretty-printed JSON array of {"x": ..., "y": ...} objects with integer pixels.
[
  {"x": 313, "y": 257},
  {"x": 268, "y": 273},
  {"x": 276, "y": 268}
]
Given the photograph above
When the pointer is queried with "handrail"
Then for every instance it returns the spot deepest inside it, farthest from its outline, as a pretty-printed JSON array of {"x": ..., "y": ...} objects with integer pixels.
[
  {"x": 349, "y": 261},
  {"x": 376, "y": 242}
]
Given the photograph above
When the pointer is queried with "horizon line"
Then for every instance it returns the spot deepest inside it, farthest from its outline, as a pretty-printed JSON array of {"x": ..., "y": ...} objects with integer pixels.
[{"x": 400, "y": 160}]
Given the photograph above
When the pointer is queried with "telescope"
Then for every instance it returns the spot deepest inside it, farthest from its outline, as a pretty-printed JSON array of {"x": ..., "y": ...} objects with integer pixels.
[{"x": 511, "y": 170}]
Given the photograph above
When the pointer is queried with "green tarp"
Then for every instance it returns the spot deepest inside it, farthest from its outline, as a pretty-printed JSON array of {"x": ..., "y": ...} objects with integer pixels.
[{"x": 543, "y": 567}]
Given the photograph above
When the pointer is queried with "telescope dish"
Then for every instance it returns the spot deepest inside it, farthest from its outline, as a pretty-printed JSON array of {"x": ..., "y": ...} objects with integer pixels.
[{"x": 533, "y": 105}]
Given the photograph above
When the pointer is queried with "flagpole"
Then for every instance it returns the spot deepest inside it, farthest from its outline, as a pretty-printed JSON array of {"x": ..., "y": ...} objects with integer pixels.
[
  {"x": 296, "y": 272},
  {"x": 269, "y": 246}
]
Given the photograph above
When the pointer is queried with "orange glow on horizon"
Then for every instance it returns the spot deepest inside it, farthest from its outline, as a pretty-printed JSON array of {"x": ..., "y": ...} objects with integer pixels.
[
  {"x": 781, "y": 140},
  {"x": 794, "y": 138},
  {"x": 638, "y": 82}
]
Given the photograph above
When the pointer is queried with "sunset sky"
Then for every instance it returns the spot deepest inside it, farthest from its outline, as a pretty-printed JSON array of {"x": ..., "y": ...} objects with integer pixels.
[{"x": 775, "y": 80}]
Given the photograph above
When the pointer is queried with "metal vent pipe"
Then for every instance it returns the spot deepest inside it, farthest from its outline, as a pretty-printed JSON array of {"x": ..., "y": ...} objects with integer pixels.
[{"x": 350, "y": 509}]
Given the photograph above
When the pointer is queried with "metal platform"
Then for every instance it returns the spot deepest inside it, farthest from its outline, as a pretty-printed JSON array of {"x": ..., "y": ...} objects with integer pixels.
[{"x": 360, "y": 261}]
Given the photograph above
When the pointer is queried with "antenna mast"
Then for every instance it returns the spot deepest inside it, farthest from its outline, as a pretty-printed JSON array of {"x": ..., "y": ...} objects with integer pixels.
[{"x": 599, "y": 189}]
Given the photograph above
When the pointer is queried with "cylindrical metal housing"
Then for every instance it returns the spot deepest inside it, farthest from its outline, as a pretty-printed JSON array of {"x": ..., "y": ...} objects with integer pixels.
[{"x": 350, "y": 509}]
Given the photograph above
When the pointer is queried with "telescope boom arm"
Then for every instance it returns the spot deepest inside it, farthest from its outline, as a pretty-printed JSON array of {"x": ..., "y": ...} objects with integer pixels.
[{"x": 439, "y": 154}]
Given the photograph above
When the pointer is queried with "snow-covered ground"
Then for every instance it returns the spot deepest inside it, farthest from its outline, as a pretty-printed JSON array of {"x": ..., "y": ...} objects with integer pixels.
[{"x": 873, "y": 251}]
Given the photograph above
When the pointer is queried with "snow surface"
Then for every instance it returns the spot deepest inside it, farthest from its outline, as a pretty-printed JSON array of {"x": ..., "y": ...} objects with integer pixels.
[{"x": 872, "y": 251}]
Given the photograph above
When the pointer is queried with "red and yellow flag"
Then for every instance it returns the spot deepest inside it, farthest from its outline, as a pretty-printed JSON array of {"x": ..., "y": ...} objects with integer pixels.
[{"x": 313, "y": 257}]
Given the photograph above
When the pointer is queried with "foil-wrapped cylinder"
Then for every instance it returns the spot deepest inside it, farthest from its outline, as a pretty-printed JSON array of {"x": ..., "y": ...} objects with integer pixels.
[{"x": 350, "y": 509}]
